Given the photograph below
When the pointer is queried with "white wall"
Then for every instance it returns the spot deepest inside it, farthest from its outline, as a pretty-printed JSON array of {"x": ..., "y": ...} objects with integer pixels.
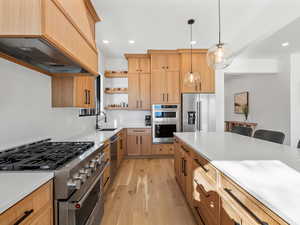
[
  {"x": 25, "y": 109},
  {"x": 269, "y": 96},
  {"x": 120, "y": 116},
  {"x": 295, "y": 99}
]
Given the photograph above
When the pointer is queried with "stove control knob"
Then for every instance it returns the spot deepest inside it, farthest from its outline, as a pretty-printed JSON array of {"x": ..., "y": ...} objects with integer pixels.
[
  {"x": 81, "y": 177},
  {"x": 74, "y": 183},
  {"x": 86, "y": 172}
]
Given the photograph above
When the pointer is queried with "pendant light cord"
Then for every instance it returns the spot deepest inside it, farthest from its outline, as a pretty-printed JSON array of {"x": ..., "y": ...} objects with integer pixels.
[
  {"x": 191, "y": 48},
  {"x": 219, "y": 8}
]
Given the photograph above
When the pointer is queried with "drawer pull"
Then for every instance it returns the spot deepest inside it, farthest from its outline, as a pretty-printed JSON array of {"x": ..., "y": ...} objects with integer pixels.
[
  {"x": 26, "y": 214},
  {"x": 244, "y": 207},
  {"x": 202, "y": 167},
  {"x": 107, "y": 179},
  {"x": 198, "y": 213},
  {"x": 139, "y": 131},
  {"x": 184, "y": 149}
]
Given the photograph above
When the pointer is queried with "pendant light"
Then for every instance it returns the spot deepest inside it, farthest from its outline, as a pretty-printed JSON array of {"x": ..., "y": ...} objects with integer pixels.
[
  {"x": 192, "y": 79},
  {"x": 219, "y": 56}
]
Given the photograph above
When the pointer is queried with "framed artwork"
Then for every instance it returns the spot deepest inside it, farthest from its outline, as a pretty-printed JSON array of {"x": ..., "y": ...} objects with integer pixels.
[{"x": 241, "y": 100}]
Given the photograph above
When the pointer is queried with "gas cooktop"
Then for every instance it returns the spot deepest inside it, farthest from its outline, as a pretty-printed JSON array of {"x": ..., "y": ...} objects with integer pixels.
[{"x": 44, "y": 155}]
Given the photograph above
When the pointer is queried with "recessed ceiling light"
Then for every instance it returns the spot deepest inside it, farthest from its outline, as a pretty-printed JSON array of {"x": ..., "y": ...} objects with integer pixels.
[
  {"x": 105, "y": 41},
  {"x": 285, "y": 44},
  {"x": 193, "y": 42},
  {"x": 131, "y": 41}
]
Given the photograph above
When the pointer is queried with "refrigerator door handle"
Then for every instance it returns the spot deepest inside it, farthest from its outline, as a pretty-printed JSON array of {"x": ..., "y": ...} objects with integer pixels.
[
  {"x": 200, "y": 114},
  {"x": 197, "y": 116}
]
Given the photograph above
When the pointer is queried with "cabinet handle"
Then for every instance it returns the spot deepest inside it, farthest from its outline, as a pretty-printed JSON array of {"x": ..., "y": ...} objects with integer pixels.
[
  {"x": 137, "y": 140},
  {"x": 141, "y": 140},
  {"x": 203, "y": 168},
  {"x": 137, "y": 103},
  {"x": 84, "y": 96},
  {"x": 244, "y": 207},
  {"x": 184, "y": 149},
  {"x": 182, "y": 170},
  {"x": 141, "y": 103},
  {"x": 89, "y": 97},
  {"x": 198, "y": 213},
  {"x": 184, "y": 167},
  {"x": 26, "y": 214},
  {"x": 163, "y": 97},
  {"x": 167, "y": 97}
]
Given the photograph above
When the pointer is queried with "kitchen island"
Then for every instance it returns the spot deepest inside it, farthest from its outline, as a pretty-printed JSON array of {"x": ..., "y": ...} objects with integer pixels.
[{"x": 263, "y": 173}]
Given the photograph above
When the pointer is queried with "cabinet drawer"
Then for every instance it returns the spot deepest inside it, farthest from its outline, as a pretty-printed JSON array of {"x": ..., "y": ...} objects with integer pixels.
[
  {"x": 31, "y": 204},
  {"x": 248, "y": 208},
  {"x": 159, "y": 149},
  {"x": 106, "y": 151},
  {"x": 206, "y": 170},
  {"x": 139, "y": 131}
]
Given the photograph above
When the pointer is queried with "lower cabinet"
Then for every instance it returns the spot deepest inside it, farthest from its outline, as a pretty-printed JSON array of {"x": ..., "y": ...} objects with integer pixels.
[
  {"x": 162, "y": 149},
  {"x": 35, "y": 209},
  {"x": 106, "y": 173},
  {"x": 121, "y": 149},
  {"x": 214, "y": 198},
  {"x": 139, "y": 142}
]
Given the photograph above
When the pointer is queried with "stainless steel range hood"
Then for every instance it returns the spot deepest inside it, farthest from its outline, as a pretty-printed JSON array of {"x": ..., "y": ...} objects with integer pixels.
[{"x": 39, "y": 53}]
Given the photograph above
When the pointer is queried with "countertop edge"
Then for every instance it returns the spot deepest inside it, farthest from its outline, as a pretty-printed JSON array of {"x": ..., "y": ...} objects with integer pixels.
[{"x": 25, "y": 193}]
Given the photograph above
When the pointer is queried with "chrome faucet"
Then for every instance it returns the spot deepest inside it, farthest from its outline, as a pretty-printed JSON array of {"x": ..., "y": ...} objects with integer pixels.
[{"x": 97, "y": 118}]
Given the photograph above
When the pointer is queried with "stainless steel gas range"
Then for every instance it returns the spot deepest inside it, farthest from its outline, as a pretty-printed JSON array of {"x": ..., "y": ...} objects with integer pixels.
[{"x": 78, "y": 168}]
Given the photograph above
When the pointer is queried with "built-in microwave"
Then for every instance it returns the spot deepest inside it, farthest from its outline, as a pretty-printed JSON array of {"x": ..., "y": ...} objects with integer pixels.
[{"x": 166, "y": 121}]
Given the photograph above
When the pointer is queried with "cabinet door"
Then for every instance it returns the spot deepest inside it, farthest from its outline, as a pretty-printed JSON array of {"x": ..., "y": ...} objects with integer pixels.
[
  {"x": 133, "y": 91},
  {"x": 207, "y": 76},
  {"x": 173, "y": 92},
  {"x": 185, "y": 69},
  {"x": 90, "y": 89},
  {"x": 158, "y": 62},
  {"x": 158, "y": 93},
  {"x": 183, "y": 172},
  {"x": 229, "y": 216},
  {"x": 173, "y": 62},
  {"x": 144, "y": 65},
  {"x": 145, "y": 142},
  {"x": 80, "y": 92},
  {"x": 133, "y": 146},
  {"x": 145, "y": 91},
  {"x": 45, "y": 218},
  {"x": 133, "y": 65},
  {"x": 190, "y": 181}
]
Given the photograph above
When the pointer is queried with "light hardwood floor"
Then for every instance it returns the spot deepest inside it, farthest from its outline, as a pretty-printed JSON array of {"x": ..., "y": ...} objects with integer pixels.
[{"x": 145, "y": 192}]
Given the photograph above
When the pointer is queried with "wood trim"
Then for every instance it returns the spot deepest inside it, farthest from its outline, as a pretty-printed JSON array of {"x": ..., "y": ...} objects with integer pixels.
[
  {"x": 153, "y": 51},
  {"x": 189, "y": 50},
  {"x": 92, "y": 11},
  {"x": 69, "y": 54},
  {"x": 136, "y": 56},
  {"x": 69, "y": 18},
  {"x": 24, "y": 64}
]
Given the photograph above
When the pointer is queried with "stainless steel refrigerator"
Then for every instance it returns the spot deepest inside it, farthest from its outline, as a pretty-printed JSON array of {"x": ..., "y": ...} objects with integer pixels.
[{"x": 198, "y": 112}]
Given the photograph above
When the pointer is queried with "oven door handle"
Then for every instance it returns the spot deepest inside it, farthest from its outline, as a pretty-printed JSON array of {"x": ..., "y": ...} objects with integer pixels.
[{"x": 81, "y": 201}]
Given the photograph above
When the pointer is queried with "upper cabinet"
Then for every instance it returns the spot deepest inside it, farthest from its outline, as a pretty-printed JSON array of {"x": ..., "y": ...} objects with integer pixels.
[
  {"x": 138, "y": 63},
  {"x": 207, "y": 75},
  {"x": 138, "y": 81},
  {"x": 73, "y": 91},
  {"x": 165, "y": 67},
  {"x": 50, "y": 36}
]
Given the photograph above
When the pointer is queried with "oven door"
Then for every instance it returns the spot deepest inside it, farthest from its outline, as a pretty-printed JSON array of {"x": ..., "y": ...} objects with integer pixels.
[
  {"x": 88, "y": 210},
  {"x": 164, "y": 133}
]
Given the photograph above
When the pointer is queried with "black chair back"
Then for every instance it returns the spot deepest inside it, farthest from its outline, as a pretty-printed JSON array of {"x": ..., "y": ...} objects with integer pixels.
[
  {"x": 246, "y": 131},
  {"x": 269, "y": 135}
]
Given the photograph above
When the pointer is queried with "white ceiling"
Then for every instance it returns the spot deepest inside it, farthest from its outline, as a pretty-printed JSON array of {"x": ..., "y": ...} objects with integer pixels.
[
  {"x": 162, "y": 24},
  {"x": 271, "y": 47}
]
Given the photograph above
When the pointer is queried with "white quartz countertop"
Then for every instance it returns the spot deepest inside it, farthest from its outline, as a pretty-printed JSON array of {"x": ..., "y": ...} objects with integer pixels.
[
  {"x": 16, "y": 186},
  {"x": 269, "y": 172}
]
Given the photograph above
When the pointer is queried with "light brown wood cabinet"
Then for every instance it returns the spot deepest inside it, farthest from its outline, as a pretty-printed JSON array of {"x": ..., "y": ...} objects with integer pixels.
[
  {"x": 162, "y": 149},
  {"x": 165, "y": 73},
  {"x": 139, "y": 91},
  {"x": 38, "y": 206},
  {"x": 121, "y": 149},
  {"x": 139, "y": 142},
  {"x": 138, "y": 63},
  {"x": 67, "y": 26},
  {"x": 73, "y": 91},
  {"x": 214, "y": 198},
  {"x": 207, "y": 75}
]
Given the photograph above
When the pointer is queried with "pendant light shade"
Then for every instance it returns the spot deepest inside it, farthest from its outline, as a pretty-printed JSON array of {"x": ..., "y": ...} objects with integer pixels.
[
  {"x": 219, "y": 56},
  {"x": 191, "y": 78}
]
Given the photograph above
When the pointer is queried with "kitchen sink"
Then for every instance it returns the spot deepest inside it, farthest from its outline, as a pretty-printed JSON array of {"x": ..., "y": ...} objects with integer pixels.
[{"x": 107, "y": 129}]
